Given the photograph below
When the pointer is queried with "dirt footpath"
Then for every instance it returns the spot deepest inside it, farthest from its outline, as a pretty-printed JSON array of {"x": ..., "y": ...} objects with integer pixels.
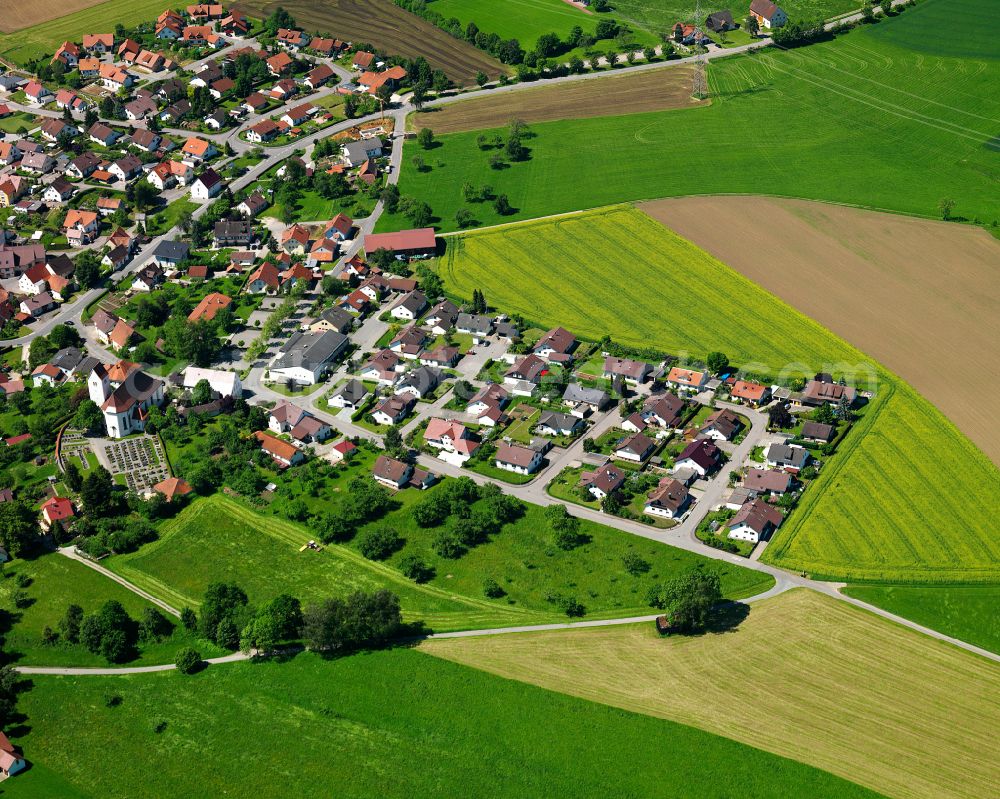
[
  {"x": 922, "y": 297},
  {"x": 656, "y": 90}
]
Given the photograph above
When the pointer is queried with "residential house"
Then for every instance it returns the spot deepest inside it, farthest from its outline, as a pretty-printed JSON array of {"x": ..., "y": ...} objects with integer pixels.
[
  {"x": 292, "y": 38},
  {"x": 207, "y": 185},
  {"x": 357, "y": 152},
  {"x": 584, "y": 400},
  {"x": 384, "y": 368},
  {"x": 626, "y": 369},
  {"x": 721, "y": 425},
  {"x": 553, "y": 423},
  {"x": 756, "y": 520},
  {"x": 68, "y": 53},
  {"x": 282, "y": 452},
  {"x": 817, "y": 431},
  {"x": 38, "y": 304},
  {"x": 283, "y": 89},
  {"x": 602, "y": 481},
  {"x": 284, "y": 416},
  {"x": 440, "y": 357},
  {"x": 115, "y": 78},
  {"x": 37, "y": 163},
  {"x": 307, "y": 357},
  {"x": 392, "y": 410},
  {"x": 299, "y": 115},
  {"x": 441, "y": 317},
  {"x": 196, "y": 150},
  {"x": 518, "y": 458},
  {"x": 81, "y": 227},
  {"x": 56, "y": 509},
  {"x": 279, "y": 64},
  {"x": 46, "y": 374},
  {"x": 487, "y": 403},
  {"x": 170, "y": 253},
  {"x": 209, "y": 306},
  {"x": 53, "y": 129},
  {"x": 419, "y": 383},
  {"x": 58, "y": 191},
  {"x": 767, "y": 14},
  {"x": 341, "y": 451},
  {"x": 663, "y": 410},
  {"x": 637, "y": 448},
  {"x": 148, "y": 278},
  {"x": 767, "y": 481},
  {"x": 821, "y": 392},
  {"x": 687, "y": 379},
  {"x": 83, "y": 165},
  {"x": 145, "y": 140},
  {"x": 36, "y": 93},
  {"x": 232, "y": 233},
  {"x": 339, "y": 228},
  {"x": 720, "y": 21},
  {"x": 789, "y": 457},
  {"x": 362, "y": 60},
  {"x": 255, "y": 102},
  {"x": 265, "y": 279},
  {"x": 351, "y": 395},
  {"x": 408, "y": 342},
  {"x": 395, "y": 474},
  {"x": 476, "y": 325},
  {"x": 319, "y": 76},
  {"x": 102, "y": 134},
  {"x": 252, "y": 205},
  {"x": 390, "y": 79},
  {"x": 295, "y": 239},
  {"x": 669, "y": 500},
  {"x": 556, "y": 345},
  {"x": 140, "y": 108},
  {"x": 454, "y": 441},
  {"x": 126, "y": 168},
  {"x": 410, "y": 308},
  {"x": 751, "y": 393},
  {"x": 701, "y": 456},
  {"x": 530, "y": 369}
]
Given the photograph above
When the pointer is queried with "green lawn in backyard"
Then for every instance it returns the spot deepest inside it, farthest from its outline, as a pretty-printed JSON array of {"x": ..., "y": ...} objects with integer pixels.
[
  {"x": 160, "y": 222},
  {"x": 867, "y": 119},
  {"x": 219, "y": 538},
  {"x": 313, "y": 208},
  {"x": 351, "y": 722},
  {"x": 968, "y": 612},
  {"x": 16, "y": 121},
  {"x": 46, "y": 37},
  {"x": 58, "y": 582},
  {"x": 861, "y": 520},
  {"x": 526, "y": 20}
]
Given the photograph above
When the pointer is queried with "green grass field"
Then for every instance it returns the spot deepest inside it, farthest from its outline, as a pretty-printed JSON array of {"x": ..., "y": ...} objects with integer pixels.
[
  {"x": 395, "y": 723},
  {"x": 967, "y": 612},
  {"x": 45, "y": 38},
  {"x": 868, "y": 119},
  {"x": 57, "y": 582},
  {"x": 908, "y": 497},
  {"x": 526, "y": 20},
  {"x": 804, "y": 676},
  {"x": 218, "y": 538}
]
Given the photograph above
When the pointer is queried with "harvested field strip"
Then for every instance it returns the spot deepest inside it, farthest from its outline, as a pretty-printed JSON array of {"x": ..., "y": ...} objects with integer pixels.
[
  {"x": 915, "y": 294},
  {"x": 893, "y": 730},
  {"x": 658, "y": 90},
  {"x": 17, "y": 16},
  {"x": 217, "y": 538},
  {"x": 388, "y": 27}
]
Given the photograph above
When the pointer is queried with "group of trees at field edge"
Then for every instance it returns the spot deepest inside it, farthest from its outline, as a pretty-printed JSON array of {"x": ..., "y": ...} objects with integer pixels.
[{"x": 334, "y": 625}]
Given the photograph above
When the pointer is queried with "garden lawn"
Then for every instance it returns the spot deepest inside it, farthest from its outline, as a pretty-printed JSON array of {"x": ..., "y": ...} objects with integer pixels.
[
  {"x": 219, "y": 538},
  {"x": 967, "y": 612},
  {"x": 47, "y": 36},
  {"x": 526, "y": 20},
  {"x": 16, "y": 121},
  {"x": 160, "y": 222},
  {"x": 350, "y": 722},
  {"x": 58, "y": 582},
  {"x": 868, "y": 119},
  {"x": 908, "y": 497},
  {"x": 840, "y": 688}
]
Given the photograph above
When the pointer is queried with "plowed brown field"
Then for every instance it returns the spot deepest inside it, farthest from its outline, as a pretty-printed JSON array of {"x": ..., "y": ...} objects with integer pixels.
[
  {"x": 387, "y": 26},
  {"x": 656, "y": 90},
  {"x": 920, "y": 296},
  {"x": 15, "y": 16}
]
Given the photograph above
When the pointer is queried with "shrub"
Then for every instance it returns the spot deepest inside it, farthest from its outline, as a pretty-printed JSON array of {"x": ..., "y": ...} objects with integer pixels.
[
  {"x": 416, "y": 568},
  {"x": 188, "y": 660},
  {"x": 634, "y": 564},
  {"x": 380, "y": 543},
  {"x": 492, "y": 589}
]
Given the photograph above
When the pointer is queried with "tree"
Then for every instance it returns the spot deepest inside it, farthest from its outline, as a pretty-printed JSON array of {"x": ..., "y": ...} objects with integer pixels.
[
  {"x": 425, "y": 138},
  {"x": 390, "y": 198},
  {"x": 464, "y": 218},
  {"x": 716, "y": 361},
  {"x": 688, "y": 600},
  {"x": 96, "y": 493},
  {"x": 447, "y": 545},
  {"x": 502, "y": 205},
  {"x": 18, "y": 526},
  {"x": 154, "y": 626},
  {"x": 634, "y": 564},
  {"x": 421, "y": 214},
  {"x": 514, "y": 149},
  {"x": 188, "y": 660},
  {"x": 346, "y": 624},
  {"x": 565, "y": 527},
  {"x": 886, "y": 6},
  {"x": 393, "y": 441},
  {"x": 778, "y": 416},
  {"x": 481, "y": 79},
  {"x": 69, "y": 624},
  {"x": 90, "y": 419},
  {"x": 223, "y": 602},
  {"x": 492, "y": 589},
  {"x": 824, "y": 414},
  {"x": 73, "y": 477},
  {"x": 380, "y": 543},
  {"x": 189, "y": 619},
  {"x": 432, "y": 509},
  {"x": 946, "y": 206},
  {"x": 110, "y": 632},
  {"x": 867, "y": 13},
  {"x": 752, "y": 26},
  {"x": 88, "y": 270},
  {"x": 416, "y": 568},
  {"x": 201, "y": 393}
]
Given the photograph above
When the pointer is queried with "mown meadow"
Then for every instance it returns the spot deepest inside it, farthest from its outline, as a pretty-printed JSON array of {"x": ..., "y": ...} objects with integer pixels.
[
  {"x": 908, "y": 497},
  {"x": 220, "y": 538},
  {"x": 393, "y": 723},
  {"x": 867, "y": 119}
]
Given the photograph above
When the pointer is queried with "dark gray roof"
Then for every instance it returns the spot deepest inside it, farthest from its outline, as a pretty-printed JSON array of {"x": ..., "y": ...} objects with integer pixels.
[
  {"x": 67, "y": 359},
  {"x": 477, "y": 324},
  {"x": 309, "y": 350},
  {"x": 338, "y": 318},
  {"x": 592, "y": 396},
  {"x": 353, "y": 391},
  {"x": 171, "y": 250}
]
